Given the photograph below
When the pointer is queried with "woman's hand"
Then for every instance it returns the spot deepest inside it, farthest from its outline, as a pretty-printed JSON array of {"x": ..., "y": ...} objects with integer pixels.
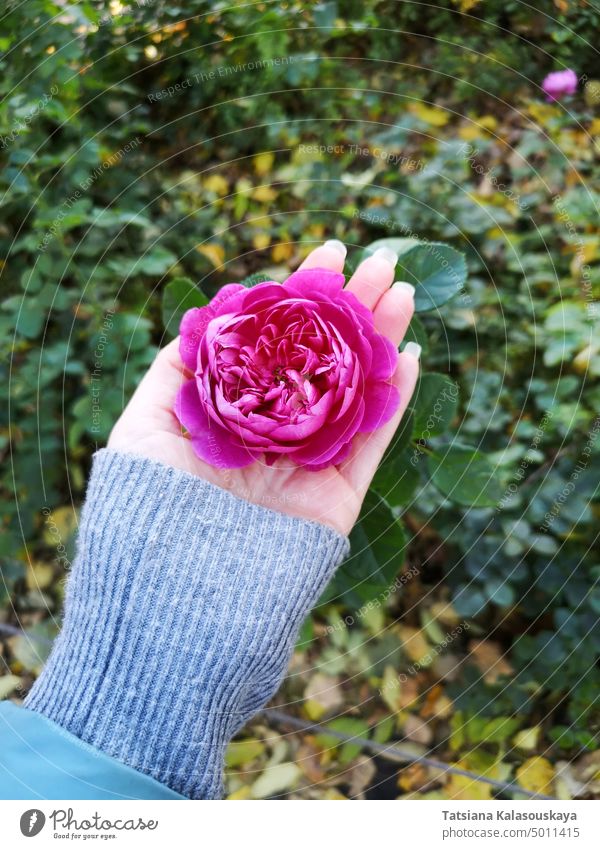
[{"x": 332, "y": 496}]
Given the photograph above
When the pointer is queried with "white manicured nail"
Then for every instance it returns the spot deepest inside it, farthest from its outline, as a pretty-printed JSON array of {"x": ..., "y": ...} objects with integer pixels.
[
  {"x": 413, "y": 349},
  {"x": 338, "y": 246},
  {"x": 387, "y": 254},
  {"x": 402, "y": 286}
]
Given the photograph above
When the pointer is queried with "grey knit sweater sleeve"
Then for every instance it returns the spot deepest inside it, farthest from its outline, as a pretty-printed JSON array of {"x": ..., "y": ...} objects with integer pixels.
[{"x": 181, "y": 614}]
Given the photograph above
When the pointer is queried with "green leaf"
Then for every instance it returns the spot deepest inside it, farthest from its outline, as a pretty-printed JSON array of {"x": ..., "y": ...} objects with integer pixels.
[
  {"x": 435, "y": 400},
  {"x": 464, "y": 475},
  {"x": 417, "y": 333},
  {"x": 468, "y": 601},
  {"x": 437, "y": 271},
  {"x": 499, "y": 591},
  {"x": 179, "y": 296},
  {"x": 154, "y": 263},
  {"x": 242, "y": 752},
  {"x": 378, "y": 545},
  {"x": 396, "y": 480},
  {"x": 351, "y": 727},
  {"x": 394, "y": 243},
  {"x": 255, "y": 279},
  {"x": 402, "y": 437}
]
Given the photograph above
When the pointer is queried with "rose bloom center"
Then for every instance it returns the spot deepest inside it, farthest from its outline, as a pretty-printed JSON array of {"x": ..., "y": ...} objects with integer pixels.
[{"x": 281, "y": 368}]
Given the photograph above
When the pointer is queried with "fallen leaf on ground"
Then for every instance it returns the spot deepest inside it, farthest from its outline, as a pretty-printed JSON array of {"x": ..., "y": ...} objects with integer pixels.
[
  {"x": 488, "y": 657},
  {"x": 536, "y": 774}
]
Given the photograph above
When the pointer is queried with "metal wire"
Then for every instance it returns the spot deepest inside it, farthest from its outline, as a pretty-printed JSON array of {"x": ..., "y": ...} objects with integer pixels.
[
  {"x": 391, "y": 752},
  {"x": 396, "y": 753},
  {"x": 12, "y": 631}
]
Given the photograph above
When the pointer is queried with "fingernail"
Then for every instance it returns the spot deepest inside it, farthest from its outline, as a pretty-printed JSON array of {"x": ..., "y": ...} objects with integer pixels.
[
  {"x": 338, "y": 246},
  {"x": 402, "y": 286},
  {"x": 413, "y": 349},
  {"x": 387, "y": 254}
]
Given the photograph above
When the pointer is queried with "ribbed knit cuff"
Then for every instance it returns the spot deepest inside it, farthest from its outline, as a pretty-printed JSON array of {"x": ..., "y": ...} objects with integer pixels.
[{"x": 181, "y": 614}]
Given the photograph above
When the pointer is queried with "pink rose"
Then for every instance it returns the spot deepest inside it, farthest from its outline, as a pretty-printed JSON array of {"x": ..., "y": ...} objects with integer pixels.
[
  {"x": 559, "y": 83},
  {"x": 292, "y": 369}
]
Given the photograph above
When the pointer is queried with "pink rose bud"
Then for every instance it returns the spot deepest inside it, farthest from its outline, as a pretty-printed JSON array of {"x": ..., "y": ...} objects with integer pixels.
[
  {"x": 559, "y": 83},
  {"x": 294, "y": 369}
]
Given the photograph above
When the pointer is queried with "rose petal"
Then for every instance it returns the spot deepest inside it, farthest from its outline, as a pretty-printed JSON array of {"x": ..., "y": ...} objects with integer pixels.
[
  {"x": 326, "y": 443},
  {"x": 215, "y": 446},
  {"x": 385, "y": 358},
  {"x": 309, "y": 282},
  {"x": 189, "y": 409},
  {"x": 381, "y": 402},
  {"x": 343, "y": 454},
  {"x": 211, "y": 443},
  {"x": 192, "y": 329}
]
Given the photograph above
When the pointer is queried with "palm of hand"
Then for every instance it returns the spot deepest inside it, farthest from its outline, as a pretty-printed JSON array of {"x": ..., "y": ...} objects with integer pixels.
[{"x": 332, "y": 496}]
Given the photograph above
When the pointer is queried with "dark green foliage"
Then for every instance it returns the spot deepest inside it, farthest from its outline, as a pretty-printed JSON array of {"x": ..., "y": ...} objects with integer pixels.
[{"x": 156, "y": 154}]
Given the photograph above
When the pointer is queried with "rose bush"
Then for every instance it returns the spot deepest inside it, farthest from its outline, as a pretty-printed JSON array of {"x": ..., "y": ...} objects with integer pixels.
[{"x": 292, "y": 369}]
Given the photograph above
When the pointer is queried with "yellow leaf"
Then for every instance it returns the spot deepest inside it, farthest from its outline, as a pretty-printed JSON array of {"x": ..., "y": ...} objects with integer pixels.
[
  {"x": 527, "y": 739},
  {"x": 543, "y": 112},
  {"x": 59, "y": 525},
  {"x": 470, "y": 132},
  {"x": 8, "y": 683},
  {"x": 536, "y": 774},
  {"x": 39, "y": 575},
  {"x": 488, "y": 122},
  {"x": 416, "y": 645},
  {"x": 263, "y": 162},
  {"x": 261, "y": 241},
  {"x": 265, "y": 194},
  {"x": 478, "y": 127},
  {"x": 244, "y": 792},
  {"x": 592, "y": 92},
  {"x": 390, "y": 689},
  {"x": 282, "y": 251},
  {"x": 333, "y": 795},
  {"x": 213, "y": 252},
  {"x": 432, "y": 115},
  {"x": 466, "y": 5},
  {"x": 489, "y": 658},
  {"x": 314, "y": 710},
  {"x": 462, "y": 788},
  {"x": 442, "y": 611},
  {"x": 276, "y": 779},
  {"x": 216, "y": 183},
  {"x": 585, "y": 357},
  {"x": 178, "y": 26},
  {"x": 585, "y": 253}
]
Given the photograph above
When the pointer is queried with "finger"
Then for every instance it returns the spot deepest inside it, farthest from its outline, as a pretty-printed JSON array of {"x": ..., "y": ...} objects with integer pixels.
[
  {"x": 373, "y": 276},
  {"x": 330, "y": 255},
  {"x": 394, "y": 311},
  {"x": 369, "y": 448}
]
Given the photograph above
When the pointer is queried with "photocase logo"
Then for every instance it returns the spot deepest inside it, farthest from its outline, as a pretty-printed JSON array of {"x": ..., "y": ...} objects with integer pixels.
[{"x": 32, "y": 822}]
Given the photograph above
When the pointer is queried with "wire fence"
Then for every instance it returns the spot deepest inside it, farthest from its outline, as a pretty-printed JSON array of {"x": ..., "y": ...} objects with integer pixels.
[
  {"x": 391, "y": 752},
  {"x": 396, "y": 753}
]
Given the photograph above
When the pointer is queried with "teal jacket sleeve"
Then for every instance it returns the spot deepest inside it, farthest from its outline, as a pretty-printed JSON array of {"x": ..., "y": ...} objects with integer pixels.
[{"x": 40, "y": 760}]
